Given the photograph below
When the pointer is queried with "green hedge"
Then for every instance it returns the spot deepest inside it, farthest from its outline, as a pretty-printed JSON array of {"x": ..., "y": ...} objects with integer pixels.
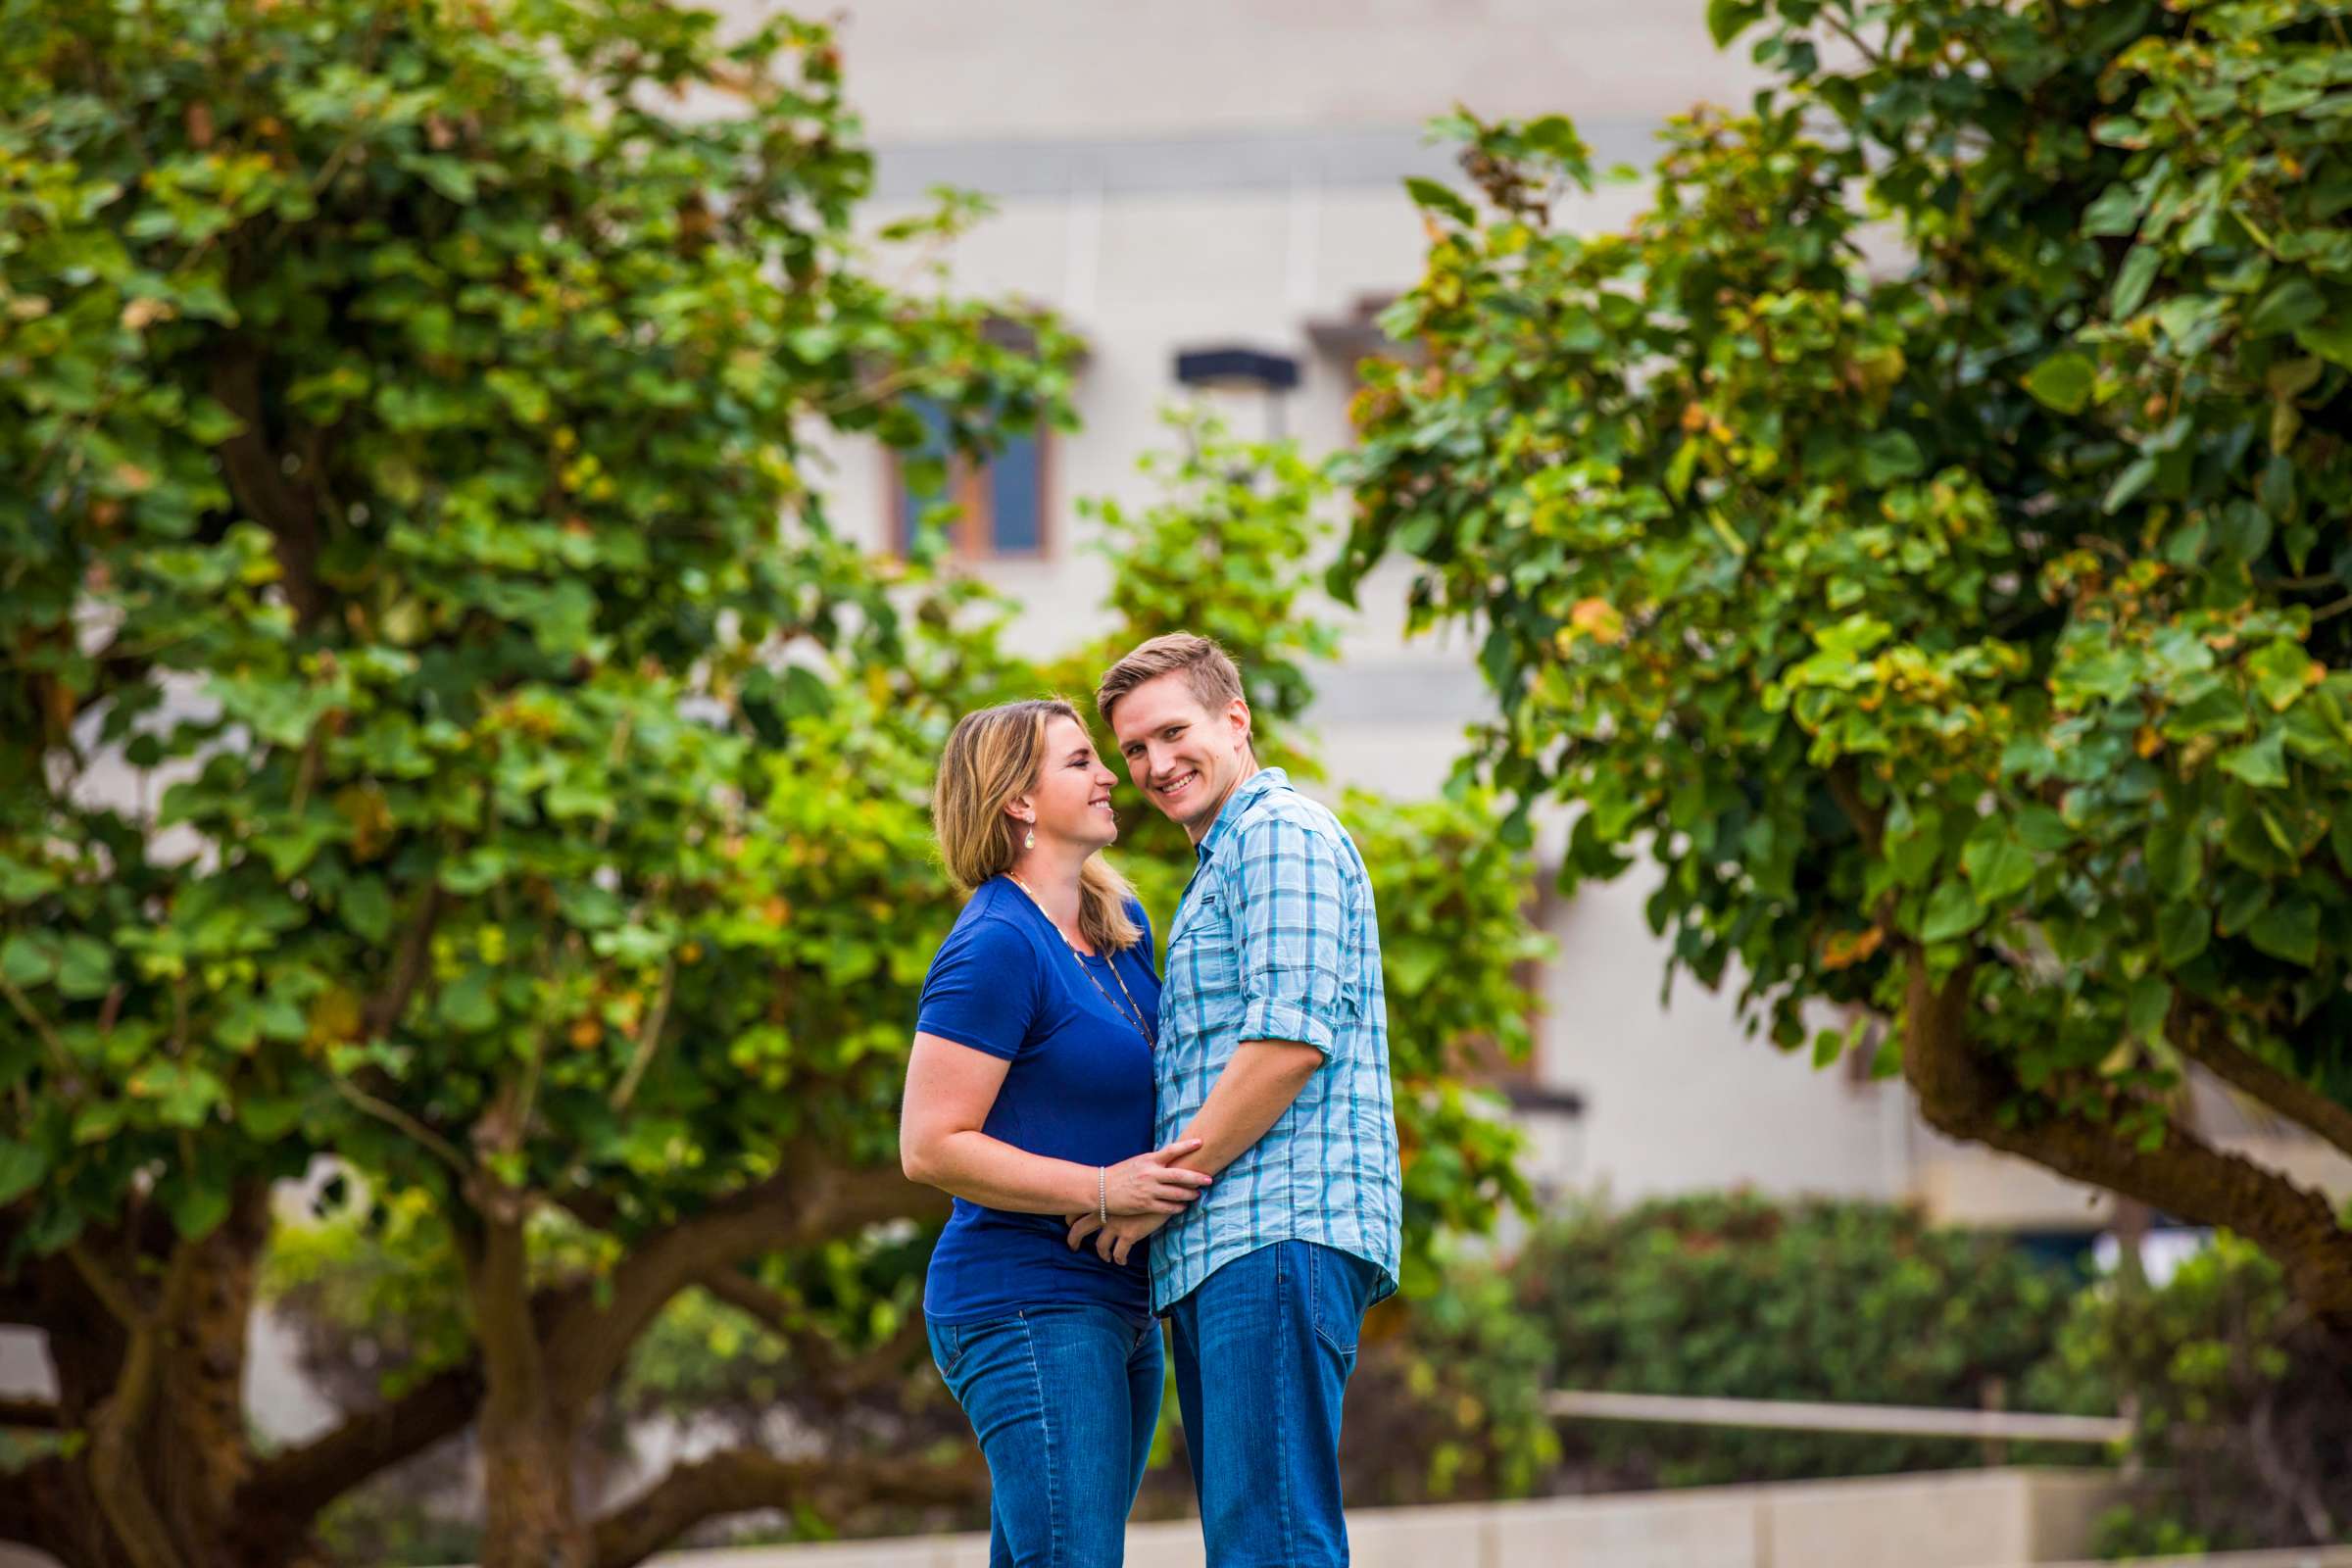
[
  {"x": 1736, "y": 1296},
  {"x": 2241, "y": 1406}
]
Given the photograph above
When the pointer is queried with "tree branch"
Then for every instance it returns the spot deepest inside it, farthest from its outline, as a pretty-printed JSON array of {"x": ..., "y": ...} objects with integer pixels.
[
  {"x": 800, "y": 1204},
  {"x": 111, "y": 1292},
  {"x": 297, "y": 1484},
  {"x": 2198, "y": 1033},
  {"x": 736, "y": 1480},
  {"x": 300, "y": 1482},
  {"x": 649, "y": 1038},
  {"x": 116, "y": 1475},
  {"x": 1960, "y": 1095},
  {"x": 407, "y": 969},
  {"x": 392, "y": 1116},
  {"x": 834, "y": 1378},
  {"x": 287, "y": 511},
  {"x": 30, "y": 1415}
]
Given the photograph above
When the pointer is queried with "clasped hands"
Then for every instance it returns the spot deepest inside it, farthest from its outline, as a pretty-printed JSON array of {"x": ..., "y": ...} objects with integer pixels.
[{"x": 1140, "y": 1194}]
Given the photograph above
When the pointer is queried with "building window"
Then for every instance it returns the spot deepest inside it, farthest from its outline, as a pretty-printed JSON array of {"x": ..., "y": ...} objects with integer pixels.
[{"x": 996, "y": 506}]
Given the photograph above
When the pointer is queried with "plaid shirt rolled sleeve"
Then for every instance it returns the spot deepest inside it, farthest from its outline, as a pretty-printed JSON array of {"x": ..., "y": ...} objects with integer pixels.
[
  {"x": 1278, "y": 938},
  {"x": 1291, "y": 922}
]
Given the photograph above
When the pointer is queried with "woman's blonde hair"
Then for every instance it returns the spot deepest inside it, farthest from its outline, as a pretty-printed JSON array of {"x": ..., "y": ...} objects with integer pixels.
[{"x": 992, "y": 756}]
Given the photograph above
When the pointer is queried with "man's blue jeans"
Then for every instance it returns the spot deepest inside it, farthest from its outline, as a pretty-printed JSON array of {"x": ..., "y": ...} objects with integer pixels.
[
  {"x": 1064, "y": 1400},
  {"x": 1263, "y": 1349}
]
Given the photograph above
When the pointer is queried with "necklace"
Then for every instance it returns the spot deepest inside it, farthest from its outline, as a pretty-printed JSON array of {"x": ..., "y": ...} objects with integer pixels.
[{"x": 1131, "y": 1012}]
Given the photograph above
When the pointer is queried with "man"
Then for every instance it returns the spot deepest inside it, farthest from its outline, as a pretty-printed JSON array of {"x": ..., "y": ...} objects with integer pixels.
[{"x": 1273, "y": 1050}]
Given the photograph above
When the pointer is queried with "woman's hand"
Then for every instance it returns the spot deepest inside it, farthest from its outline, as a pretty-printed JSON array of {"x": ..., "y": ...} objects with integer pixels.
[
  {"x": 1152, "y": 1183},
  {"x": 1118, "y": 1240},
  {"x": 1115, "y": 1240}
]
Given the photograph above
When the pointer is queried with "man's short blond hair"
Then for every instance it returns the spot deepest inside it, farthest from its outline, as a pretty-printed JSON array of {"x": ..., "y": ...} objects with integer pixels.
[{"x": 1204, "y": 667}]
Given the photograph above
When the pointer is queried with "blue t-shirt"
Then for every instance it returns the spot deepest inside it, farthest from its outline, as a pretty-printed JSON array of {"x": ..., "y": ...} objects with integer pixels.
[{"x": 1079, "y": 1089}]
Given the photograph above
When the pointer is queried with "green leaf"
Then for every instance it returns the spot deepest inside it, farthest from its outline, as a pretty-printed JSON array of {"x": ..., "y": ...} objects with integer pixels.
[
  {"x": 29, "y": 958},
  {"x": 2132, "y": 281},
  {"x": 1914, "y": 854},
  {"x": 2287, "y": 306},
  {"x": 98, "y": 1120},
  {"x": 2291, "y": 379},
  {"x": 1555, "y": 135},
  {"x": 2135, "y": 477},
  {"x": 2247, "y": 897},
  {"x": 2261, "y": 762},
  {"x": 1952, "y": 911},
  {"x": 2174, "y": 860},
  {"x": 367, "y": 909},
  {"x": 2183, "y": 931},
  {"x": 466, "y": 1003},
  {"x": 2145, "y": 1005},
  {"x": 88, "y": 967},
  {"x": 2282, "y": 670},
  {"x": 2044, "y": 829},
  {"x": 1889, "y": 455},
  {"x": 2330, "y": 340},
  {"x": 1441, "y": 198},
  {"x": 2116, "y": 211},
  {"x": 198, "y": 1207},
  {"x": 267, "y": 1120},
  {"x": 22, "y": 1166},
  {"x": 453, "y": 178},
  {"x": 2289, "y": 930},
  {"x": 1409, "y": 965},
  {"x": 2063, "y": 382},
  {"x": 1727, "y": 18},
  {"x": 1998, "y": 866},
  {"x": 475, "y": 871}
]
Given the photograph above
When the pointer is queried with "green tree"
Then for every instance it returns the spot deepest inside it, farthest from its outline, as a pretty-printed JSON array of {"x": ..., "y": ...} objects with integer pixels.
[
  {"x": 443, "y": 733},
  {"x": 1915, "y": 537},
  {"x": 441, "y": 730}
]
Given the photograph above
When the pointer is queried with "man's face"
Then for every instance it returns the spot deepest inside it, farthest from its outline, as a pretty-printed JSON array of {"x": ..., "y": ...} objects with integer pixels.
[{"x": 1185, "y": 758}]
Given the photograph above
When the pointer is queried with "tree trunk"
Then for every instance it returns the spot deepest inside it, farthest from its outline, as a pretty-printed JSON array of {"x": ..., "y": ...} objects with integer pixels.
[
  {"x": 533, "y": 1515},
  {"x": 1963, "y": 1096},
  {"x": 198, "y": 1454},
  {"x": 155, "y": 1375}
]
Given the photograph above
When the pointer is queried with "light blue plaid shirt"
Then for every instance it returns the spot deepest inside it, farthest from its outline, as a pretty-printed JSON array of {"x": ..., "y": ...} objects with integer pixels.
[{"x": 1276, "y": 939}]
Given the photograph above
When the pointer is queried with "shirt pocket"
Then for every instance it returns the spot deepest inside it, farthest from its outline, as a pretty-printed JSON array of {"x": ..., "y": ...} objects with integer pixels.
[{"x": 1205, "y": 971}]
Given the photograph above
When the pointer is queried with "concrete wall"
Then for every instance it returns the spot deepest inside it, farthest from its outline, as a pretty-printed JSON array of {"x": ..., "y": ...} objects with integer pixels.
[{"x": 1964, "y": 1519}]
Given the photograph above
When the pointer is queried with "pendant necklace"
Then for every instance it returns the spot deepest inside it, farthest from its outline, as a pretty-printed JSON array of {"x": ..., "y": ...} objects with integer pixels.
[{"x": 1131, "y": 1012}]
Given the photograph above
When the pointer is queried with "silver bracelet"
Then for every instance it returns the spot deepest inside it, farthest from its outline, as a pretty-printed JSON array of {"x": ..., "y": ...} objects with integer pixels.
[{"x": 1102, "y": 1194}]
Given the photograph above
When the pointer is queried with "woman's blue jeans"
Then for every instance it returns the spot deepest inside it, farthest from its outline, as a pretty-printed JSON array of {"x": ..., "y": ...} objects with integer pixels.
[{"x": 1064, "y": 1400}]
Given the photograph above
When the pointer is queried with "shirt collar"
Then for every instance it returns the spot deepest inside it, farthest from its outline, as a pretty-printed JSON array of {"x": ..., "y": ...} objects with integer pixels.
[{"x": 1247, "y": 791}]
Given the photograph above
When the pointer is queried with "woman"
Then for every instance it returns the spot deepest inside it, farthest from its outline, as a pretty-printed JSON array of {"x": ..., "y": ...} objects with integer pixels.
[{"x": 1029, "y": 1098}]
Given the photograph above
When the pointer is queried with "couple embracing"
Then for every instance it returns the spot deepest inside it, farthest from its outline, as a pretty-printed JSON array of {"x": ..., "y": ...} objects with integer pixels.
[{"x": 1218, "y": 1148}]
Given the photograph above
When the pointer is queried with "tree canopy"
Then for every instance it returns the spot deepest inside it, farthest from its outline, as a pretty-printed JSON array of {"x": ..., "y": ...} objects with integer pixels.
[{"x": 1919, "y": 537}]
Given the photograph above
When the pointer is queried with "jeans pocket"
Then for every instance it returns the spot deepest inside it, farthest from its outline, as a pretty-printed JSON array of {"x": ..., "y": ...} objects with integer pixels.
[
  {"x": 1335, "y": 1305},
  {"x": 947, "y": 1348}
]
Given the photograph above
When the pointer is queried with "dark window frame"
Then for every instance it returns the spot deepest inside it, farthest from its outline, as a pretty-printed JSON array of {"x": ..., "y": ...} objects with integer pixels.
[{"x": 973, "y": 535}]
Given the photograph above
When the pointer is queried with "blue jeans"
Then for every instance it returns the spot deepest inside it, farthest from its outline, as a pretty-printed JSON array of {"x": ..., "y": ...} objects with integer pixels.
[
  {"x": 1064, "y": 1400},
  {"x": 1263, "y": 1350}
]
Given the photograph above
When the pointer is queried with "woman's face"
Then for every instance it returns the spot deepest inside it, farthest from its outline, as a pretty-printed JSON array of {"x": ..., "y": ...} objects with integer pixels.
[{"x": 1072, "y": 794}]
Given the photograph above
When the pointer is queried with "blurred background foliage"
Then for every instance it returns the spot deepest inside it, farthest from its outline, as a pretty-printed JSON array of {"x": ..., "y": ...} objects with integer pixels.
[{"x": 2237, "y": 1401}]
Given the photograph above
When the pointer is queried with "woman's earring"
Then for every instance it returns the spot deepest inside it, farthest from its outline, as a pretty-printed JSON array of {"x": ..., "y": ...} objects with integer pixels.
[{"x": 1029, "y": 839}]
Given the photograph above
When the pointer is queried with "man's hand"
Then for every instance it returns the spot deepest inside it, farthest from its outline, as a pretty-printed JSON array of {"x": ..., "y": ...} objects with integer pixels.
[{"x": 1113, "y": 1242}]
